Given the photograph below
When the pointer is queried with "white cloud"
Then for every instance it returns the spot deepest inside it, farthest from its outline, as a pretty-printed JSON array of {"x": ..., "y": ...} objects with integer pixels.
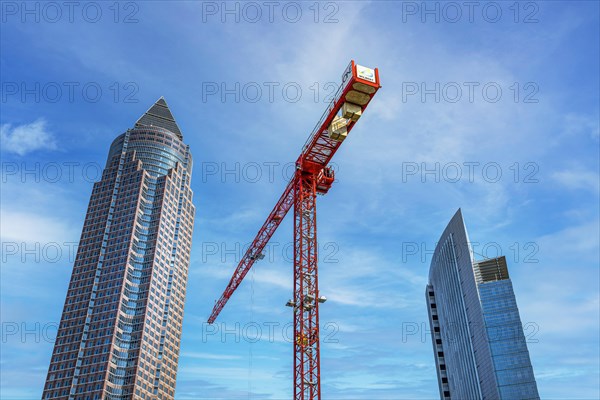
[
  {"x": 578, "y": 179},
  {"x": 23, "y": 139},
  {"x": 209, "y": 356},
  {"x": 360, "y": 297},
  {"x": 585, "y": 125},
  {"x": 25, "y": 227},
  {"x": 271, "y": 276},
  {"x": 229, "y": 375},
  {"x": 580, "y": 239}
]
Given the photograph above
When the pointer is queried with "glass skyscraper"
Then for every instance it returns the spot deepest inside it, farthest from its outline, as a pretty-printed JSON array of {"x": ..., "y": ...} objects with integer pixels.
[
  {"x": 478, "y": 342},
  {"x": 120, "y": 329}
]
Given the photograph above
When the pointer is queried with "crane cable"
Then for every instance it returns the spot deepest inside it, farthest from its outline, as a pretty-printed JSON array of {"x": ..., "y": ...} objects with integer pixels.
[{"x": 246, "y": 330}]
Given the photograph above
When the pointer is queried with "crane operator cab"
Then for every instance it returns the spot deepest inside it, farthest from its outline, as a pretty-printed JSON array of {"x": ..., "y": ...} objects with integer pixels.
[{"x": 325, "y": 180}]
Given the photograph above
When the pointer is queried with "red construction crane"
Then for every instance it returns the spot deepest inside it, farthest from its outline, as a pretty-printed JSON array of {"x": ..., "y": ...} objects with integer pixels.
[{"x": 313, "y": 176}]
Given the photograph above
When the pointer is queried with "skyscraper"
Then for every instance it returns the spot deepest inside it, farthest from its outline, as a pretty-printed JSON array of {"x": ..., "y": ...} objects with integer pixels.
[
  {"x": 478, "y": 341},
  {"x": 120, "y": 329}
]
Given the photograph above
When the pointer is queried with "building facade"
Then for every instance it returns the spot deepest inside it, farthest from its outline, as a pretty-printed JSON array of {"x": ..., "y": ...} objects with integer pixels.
[
  {"x": 478, "y": 341},
  {"x": 120, "y": 329}
]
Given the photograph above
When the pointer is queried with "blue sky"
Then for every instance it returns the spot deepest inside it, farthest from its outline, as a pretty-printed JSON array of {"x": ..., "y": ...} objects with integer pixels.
[{"x": 499, "y": 103}]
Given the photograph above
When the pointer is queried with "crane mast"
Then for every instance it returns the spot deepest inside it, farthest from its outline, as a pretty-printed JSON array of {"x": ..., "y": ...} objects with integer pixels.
[{"x": 312, "y": 176}]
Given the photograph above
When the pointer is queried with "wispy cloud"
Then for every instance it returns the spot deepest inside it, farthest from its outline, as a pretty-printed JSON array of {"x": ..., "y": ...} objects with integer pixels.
[
  {"x": 579, "y": 124},
  {"x": 29, "y": 227},
  {"x": 578, "y": 179},
  {"x": 209, "y": 356},
  {"x": 26, "y": 138}
]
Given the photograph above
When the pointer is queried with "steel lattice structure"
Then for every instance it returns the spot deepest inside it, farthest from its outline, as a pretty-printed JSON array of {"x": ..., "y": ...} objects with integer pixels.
[{"x": 313, "y": 176}]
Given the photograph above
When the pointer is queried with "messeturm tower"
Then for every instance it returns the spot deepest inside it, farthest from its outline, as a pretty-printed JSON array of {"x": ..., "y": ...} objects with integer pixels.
[{"x": 120, "y": 330}]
